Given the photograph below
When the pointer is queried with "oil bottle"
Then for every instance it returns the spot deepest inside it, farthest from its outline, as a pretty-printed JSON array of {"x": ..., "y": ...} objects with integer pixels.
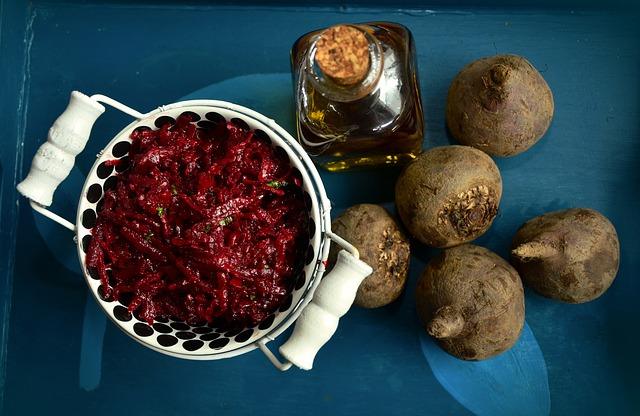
[{"x": 357, "y": 95}]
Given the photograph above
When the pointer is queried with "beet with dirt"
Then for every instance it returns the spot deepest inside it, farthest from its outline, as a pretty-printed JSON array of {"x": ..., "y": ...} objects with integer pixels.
[
  {"x": 571, "y": 255},
  {"x": 449, "y": 195},
  {"x": 382, "y": 245},
  {"x": 500, "y": 105},
  {"x": 471, "y": 301}
]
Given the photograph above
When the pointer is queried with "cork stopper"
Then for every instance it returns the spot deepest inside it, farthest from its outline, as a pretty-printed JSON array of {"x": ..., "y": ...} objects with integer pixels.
[{"x": 342, "y": 53}]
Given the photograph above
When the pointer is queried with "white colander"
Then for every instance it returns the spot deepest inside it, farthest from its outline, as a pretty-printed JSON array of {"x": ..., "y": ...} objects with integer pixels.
[{"x": 316, "y": 302}]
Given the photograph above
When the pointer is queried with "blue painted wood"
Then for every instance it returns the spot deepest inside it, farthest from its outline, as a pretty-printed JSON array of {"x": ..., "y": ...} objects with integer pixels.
[
  {"x": 375, "y": 363},
  {"x": 395, "y": 5},
  {"x": 512, "y": 383},
  {"x": 94, "y": 325},
  {"x": 58, "y": 239},
  {"x": 13, "y": 89}
]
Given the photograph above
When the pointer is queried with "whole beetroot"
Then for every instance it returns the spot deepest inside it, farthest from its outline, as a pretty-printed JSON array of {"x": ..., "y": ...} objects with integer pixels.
[
  {"x": 471, "y": 301},
  {"x": 500, "y": 105},
  {"x": 571, "y": 255},
  {"x": 449, "y": 195},
  {"x": 382, "y": 245}
]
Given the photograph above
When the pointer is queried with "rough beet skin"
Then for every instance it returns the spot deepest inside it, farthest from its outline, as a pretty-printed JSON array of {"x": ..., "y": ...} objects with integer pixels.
[
  {"x": 572, "y": 255},
  {"x": 471, "y": 301},
  {"x": 500, "y": 105},
  {"x": 382, "y": 245},
  {"x": 449, "y": 195}
]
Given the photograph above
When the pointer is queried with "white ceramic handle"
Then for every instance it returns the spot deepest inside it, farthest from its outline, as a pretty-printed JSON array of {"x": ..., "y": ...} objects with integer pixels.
[
  {"x": 319, "y": 319},
  {"x": 55, "y": 158}
]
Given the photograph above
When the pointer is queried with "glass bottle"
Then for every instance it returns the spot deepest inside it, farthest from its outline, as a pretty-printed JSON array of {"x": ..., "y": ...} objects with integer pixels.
[{"x": 357, "y": 95}]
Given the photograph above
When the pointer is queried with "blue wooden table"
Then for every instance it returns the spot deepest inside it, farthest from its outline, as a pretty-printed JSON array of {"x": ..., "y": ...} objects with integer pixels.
[{"x": 58, "y": 355}]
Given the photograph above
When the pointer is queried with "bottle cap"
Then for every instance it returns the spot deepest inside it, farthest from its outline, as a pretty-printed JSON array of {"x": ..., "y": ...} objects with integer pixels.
[{"x": 342, "y": 53}]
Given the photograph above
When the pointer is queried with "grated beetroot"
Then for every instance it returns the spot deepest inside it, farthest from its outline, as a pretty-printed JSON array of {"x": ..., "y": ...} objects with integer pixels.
[{"x": 206, "y": 225}]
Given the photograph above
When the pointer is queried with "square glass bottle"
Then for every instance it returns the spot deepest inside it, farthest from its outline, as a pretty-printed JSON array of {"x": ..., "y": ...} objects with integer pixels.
[{"x": 357, "y": 95}]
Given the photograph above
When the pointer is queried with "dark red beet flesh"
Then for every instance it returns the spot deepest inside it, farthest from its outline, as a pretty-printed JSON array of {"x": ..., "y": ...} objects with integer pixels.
[{"x": 206, "y": 225}]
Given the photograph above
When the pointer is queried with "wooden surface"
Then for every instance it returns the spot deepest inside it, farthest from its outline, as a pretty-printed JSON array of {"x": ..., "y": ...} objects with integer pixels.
[{"x": 150, "y": 55}]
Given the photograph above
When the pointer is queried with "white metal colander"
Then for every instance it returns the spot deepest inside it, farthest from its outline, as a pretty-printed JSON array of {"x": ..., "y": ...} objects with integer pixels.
[{"x": 316, "y": 302}]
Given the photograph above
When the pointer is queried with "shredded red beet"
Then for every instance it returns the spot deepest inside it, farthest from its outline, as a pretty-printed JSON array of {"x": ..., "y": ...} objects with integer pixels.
[{"x": 206, "y": 225}]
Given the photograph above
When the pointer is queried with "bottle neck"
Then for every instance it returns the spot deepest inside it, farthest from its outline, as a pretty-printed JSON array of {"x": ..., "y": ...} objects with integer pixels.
[{"x": 345, "y": 93}]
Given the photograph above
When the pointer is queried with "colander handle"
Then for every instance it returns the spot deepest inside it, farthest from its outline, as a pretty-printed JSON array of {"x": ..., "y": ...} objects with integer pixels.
[
  {"x": 55, "y": 158},
  {"x": 319, "y": 319}
]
